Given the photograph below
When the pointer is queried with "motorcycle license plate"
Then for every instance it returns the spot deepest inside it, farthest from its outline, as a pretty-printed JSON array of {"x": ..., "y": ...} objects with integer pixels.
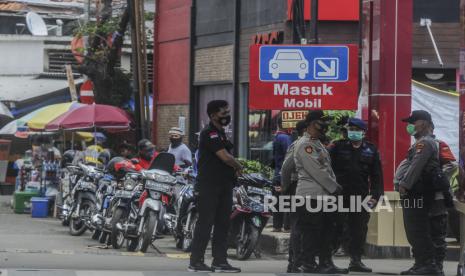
[
  {"x": 159, "y": 187},
  {"x": 123, "y": 194},
  {"x": 258, "y": 191},
  {"x": 86, "y": 186}
]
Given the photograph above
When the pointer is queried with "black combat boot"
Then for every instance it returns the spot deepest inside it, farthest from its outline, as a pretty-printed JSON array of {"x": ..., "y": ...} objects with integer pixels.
[
  {"x": 356, "y": 265},
  {"x": 310, "y": 267},
  {"x": 328, "y": 267},
  {"x": 428, "y": 268}
]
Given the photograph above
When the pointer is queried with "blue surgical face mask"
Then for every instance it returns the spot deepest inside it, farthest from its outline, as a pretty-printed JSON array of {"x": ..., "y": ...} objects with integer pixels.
[{"x": 355, "y": 135}]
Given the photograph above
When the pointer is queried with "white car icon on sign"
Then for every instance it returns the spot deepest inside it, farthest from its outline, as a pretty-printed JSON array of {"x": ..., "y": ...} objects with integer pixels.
[{"x": 288, "y": 61}]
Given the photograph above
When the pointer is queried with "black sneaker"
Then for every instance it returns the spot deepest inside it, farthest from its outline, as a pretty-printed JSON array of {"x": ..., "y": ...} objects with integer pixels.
[
  {"x": 199, "y": 267},
  {"x": 226, "y": 268}
]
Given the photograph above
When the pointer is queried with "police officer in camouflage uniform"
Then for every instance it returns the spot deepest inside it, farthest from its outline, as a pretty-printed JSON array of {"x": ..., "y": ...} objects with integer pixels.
[
  {"x": 423, "y": 197},
  {"x": 316, "y": 179},
  {"x": 357, "y": 166},
  {"x": 288, "y": 187}
]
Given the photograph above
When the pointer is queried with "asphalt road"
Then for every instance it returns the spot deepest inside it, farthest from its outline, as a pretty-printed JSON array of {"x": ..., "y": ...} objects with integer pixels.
[{"x": 43, "y": 247}]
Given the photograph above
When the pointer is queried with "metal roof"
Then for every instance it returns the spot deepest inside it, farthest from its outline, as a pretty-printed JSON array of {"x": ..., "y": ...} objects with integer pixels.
[
  {"x": 20, "y": 88},
  {"x": 12, "y": 6}
]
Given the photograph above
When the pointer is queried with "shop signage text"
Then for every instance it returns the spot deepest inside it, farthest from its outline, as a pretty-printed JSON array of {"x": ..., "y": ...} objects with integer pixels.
[
  {"x": 275, "y": 37},
  {"x": 303, "y": 76},
  {"x": 290, "y": 118}
]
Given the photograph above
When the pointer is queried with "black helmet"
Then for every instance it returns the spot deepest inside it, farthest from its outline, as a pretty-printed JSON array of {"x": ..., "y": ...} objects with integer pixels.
[
  {"x": 146, "y": 149},
  {"x": 104, "y": 157},
  {"x": 145, "y": 145},
  {"x": 67, "y": 158},
  {"x": 111, "y": 166}
]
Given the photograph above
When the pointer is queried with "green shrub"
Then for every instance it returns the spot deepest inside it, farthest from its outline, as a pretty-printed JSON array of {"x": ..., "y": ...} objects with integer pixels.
[{"x": 253, "y": 166}]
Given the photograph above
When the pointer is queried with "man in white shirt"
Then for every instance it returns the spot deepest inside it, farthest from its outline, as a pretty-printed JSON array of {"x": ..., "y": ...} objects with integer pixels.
[{"x": 180, "y": 151}]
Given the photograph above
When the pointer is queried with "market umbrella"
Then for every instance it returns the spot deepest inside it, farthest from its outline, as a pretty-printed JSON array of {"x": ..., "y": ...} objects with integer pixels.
[
  {"x": 5, "y": 115},
  {"x": 92, "y": 117},
  {"x": 47, "y": 114},
  {"x": 4, "y": 111},
  {"x": 36, "y": 120},
  {"x": 9, "y": 129}
]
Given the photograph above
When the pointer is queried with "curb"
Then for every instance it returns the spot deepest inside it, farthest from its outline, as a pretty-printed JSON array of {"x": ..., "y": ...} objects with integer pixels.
[
  {"x": 274, "y": 243},
  {"x": 278, "y": 244}
]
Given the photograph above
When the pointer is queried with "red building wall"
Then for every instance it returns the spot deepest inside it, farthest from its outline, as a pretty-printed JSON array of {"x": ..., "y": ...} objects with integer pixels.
[{"x": 172, "y": 63}]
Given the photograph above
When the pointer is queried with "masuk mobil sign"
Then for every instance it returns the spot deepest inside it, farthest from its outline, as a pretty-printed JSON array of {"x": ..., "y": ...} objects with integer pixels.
[{"x": 303, "y": 77}]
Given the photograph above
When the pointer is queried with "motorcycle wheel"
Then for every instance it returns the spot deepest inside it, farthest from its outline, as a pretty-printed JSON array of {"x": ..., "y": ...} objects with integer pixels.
[
  {"x": 189, "y": 237},
  {"x": 145, "y": 238},
  {"x": 96, "y": 234},
  {"x": 103, "y": 237},
  {"x": 65, "y": 222},
  {"x": 77, "y": 226},
  {"x": 117, "y": 237},
  {"x": 246, "y": 246}
]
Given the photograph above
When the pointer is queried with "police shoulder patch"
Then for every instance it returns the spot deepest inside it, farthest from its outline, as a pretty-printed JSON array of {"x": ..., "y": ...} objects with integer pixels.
[
  {"x": 213, "y": 135},
  {"x": 309, "y": 149}
]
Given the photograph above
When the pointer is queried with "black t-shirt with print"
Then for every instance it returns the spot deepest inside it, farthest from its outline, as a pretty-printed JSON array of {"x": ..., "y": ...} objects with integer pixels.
[{"x": 210, "y": 167}]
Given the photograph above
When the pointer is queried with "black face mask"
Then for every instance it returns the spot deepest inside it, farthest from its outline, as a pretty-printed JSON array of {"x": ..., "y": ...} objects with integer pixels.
[
  {"x": 147, "y": 155},
  {"x": 323, "y": 129},
  {"x": 175, "y": 142},
  {"x": 224, "y": 121}
]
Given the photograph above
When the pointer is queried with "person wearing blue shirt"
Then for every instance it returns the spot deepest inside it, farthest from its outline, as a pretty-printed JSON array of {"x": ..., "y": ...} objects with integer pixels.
[{"x": 281, "y": 143}]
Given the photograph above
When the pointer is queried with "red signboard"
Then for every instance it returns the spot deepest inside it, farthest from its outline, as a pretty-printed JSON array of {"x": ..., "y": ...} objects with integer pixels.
[
  {"x": 330, "y": 10},
  {"x": 321, "y": 81},
  {"x": 87, "y": 93}
]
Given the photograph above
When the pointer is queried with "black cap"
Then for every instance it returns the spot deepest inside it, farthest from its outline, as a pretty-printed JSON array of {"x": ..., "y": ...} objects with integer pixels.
[
  {"x": 356, "y": 122},
  {"x": 418, "y": 115},
  {"x": 315, "y": 115}
]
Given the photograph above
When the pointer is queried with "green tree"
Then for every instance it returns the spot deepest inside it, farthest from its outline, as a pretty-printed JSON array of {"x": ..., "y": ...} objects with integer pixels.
[
  {"x": 111, "y": 83},
  {"x": 334, "y": 131}
]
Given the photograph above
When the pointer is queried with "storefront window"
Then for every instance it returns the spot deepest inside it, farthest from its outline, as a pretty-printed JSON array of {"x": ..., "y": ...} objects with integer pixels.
[
  {"x": 215, "y": 92},
  {"x": 262, "y": 126}
]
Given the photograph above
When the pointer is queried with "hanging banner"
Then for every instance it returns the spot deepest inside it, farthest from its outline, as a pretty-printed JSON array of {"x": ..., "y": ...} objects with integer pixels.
[{"x": 303, "y": 77}]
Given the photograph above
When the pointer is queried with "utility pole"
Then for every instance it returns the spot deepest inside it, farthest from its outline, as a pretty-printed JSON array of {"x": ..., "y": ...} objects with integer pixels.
[
  {"x": 314, "y": 22},
  {"x": 139, "y": 68},
  {"x": 298, "y": 21}
]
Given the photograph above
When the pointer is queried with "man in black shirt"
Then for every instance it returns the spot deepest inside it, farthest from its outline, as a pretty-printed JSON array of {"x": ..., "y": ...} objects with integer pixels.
[
  {"x": 357, "y": 165},
  {"x": 217, "y": 170}
]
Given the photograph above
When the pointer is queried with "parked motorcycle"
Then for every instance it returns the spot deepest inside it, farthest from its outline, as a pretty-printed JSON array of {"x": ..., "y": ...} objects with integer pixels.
[
  {"x": 125, "y": 212},
  {"x": 159, "y": 187},
  {"x": 83, "y": 199},
  {"x": 186, "y": 213},
  {"x": 248, "y": 216},
  {"x": 158, "y": 184},
  {"x": 104, "y": 195},
  {"x": 70, "y": 177},
  {"x": 120, "y": 221}
]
